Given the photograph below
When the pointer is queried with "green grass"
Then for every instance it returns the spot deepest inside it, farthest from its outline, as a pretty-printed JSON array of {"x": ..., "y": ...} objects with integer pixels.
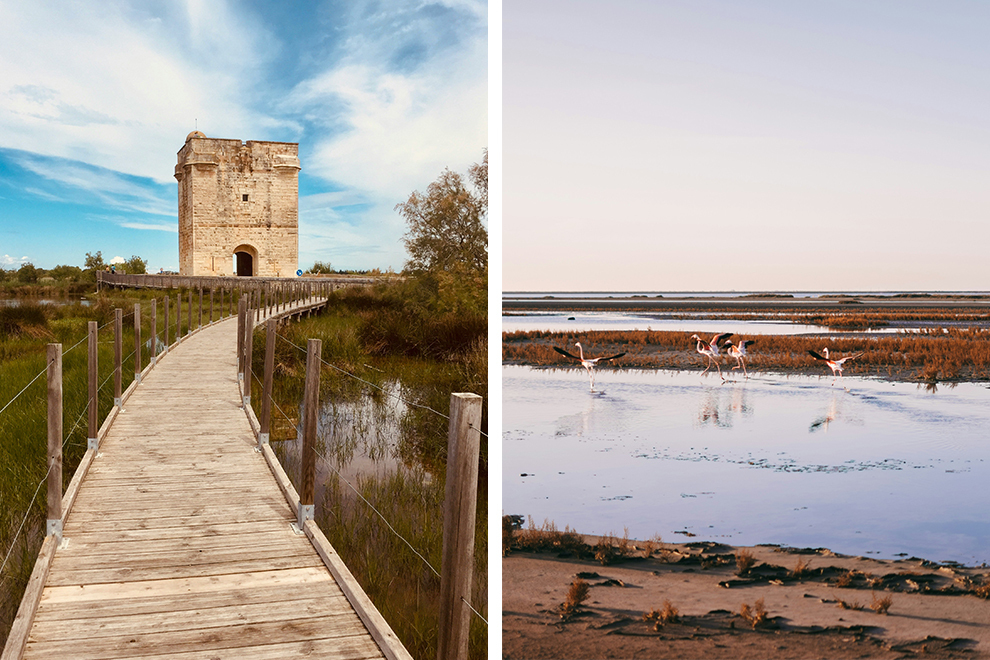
[{"x": 409, "y": 447}]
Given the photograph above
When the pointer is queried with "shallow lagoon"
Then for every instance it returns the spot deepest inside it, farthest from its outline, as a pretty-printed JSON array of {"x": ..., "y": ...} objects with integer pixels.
[{"x": 862, "y": 467}]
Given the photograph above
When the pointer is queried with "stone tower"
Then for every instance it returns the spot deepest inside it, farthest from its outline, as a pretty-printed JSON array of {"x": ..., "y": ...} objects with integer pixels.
[{"x": 238, "y": 207}]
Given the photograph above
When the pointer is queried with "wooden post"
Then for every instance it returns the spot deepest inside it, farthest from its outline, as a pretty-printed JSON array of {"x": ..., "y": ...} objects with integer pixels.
[
  {"x": 460, "y": 503},
  {"x": 241, "y": 317},
  {"x": 154, "y": 331},
  {"x": 311, "y": 402},
  {"x": 221, "y": 304},
  {"x": 189, "y": 328},
  {"x": 93, "y": 365},
  {"x": 211, "y": 304},
  {"x": 118, "y": 354},
  {"x": 137, "y": 342},
  {"x": 248, "y": 354},
  {"x": 200, "y": 307},
  {"x": 54, "y": 526},
  {"x": 165, "y": 330},
  {"x": 266, "y": 387},
  {"x": 178, "y": 317}
]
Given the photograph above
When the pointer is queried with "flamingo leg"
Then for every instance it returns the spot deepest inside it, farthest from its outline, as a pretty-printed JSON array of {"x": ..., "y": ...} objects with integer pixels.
[{"x": 709, "y": 365}]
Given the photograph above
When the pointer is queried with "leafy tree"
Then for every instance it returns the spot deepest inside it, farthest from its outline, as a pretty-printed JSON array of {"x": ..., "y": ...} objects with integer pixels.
[
  {"x": 320, "y": 268},
  {"x": 68, "y": 273},
  {"x": 135, "y": 265},
  {"x": 28, "y": 274},
  {"x": 94, "y": 261},
  {"x": 446, "y": 225}
]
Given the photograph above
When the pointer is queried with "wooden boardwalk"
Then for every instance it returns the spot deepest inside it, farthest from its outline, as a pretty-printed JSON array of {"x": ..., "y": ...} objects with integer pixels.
[{"x": 180, "y": 543}]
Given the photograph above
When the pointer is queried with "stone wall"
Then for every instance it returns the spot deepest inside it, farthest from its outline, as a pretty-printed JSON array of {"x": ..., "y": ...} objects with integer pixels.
[{"x": 237, "y": 195}]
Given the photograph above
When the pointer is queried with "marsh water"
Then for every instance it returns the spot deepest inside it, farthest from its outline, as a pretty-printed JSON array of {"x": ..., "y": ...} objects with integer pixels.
[{"x": 864, "y": 467}]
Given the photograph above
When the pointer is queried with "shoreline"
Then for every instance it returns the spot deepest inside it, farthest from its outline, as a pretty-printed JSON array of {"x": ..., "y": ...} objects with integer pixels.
[{"x": 934, "y": 608}]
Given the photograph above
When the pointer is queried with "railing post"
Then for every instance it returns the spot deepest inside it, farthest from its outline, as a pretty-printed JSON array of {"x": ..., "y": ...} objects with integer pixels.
[
  {"x": 54, "y": 526},
  {"x": 165, "y": 328},
  {"x": 118, "y": 353},
  {"x": 189, "y": 329},
  {"x": 92, "y": 363},
  {"x": 459, "y": 508},
  {"x": 154, "y": 331},
  {"x": 241, "y": 317},
  {"x": 137, "y": 343},
  {"x": 266, "y": 387},
  {"x": 178, "y": 317},
  {"x": 248, "y": 353},
  {"x": 311, "y": 402},
  {"x": 222, "y": 315},
  {"x": 211, "y": 303}
]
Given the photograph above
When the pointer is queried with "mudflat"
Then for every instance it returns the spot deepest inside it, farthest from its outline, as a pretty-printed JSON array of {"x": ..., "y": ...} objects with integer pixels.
[{"x": 817, "y": 605}]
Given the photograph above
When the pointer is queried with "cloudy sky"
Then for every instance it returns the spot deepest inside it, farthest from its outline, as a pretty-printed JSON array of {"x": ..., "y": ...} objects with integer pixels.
[
  {"x": 757, "y": 145},
  {"x": 96, "y": 98}
]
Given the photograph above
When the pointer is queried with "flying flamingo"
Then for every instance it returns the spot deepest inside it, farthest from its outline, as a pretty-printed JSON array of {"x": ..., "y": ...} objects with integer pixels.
[
  {"x": 738, "y": 351},
  {"x": 711, "y": 350},
  {"x": 587, "y": 363},
  {"x": 835, "y": 365}
]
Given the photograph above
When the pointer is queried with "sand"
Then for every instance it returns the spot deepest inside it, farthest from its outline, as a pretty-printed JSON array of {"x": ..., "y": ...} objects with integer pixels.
[{"x": 930, "y": 615}]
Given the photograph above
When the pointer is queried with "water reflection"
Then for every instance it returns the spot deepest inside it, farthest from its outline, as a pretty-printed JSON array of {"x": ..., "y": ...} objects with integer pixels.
[{"x": 900, "y": 461}]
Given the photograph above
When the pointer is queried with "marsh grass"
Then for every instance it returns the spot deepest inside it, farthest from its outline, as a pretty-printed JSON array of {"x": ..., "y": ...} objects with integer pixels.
[
  {"x": 547, "y": 538},
  {"x": 380, "y": 409},
  {"x": 666, "y": 614},
  {"x": 935, "y": 354},
  {"x": 850, "y": 605},
  {"x": 801, "y": 568}
]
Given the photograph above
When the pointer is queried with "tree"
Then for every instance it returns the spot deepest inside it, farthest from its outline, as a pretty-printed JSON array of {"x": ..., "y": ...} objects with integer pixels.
[
  {"x": 68, "y": 273},
  {"x": 28, "y": 274},
  {"x": 446, "y": 225},
  {"x": 135, "y": 265},
  {"x": 320, "y": 268},
  {"x": 94, "y": 261}
]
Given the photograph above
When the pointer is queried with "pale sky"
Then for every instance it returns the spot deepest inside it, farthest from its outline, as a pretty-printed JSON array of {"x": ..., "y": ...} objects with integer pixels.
[
  {"x": 707, "y": 145},
  {"x": 97, "y": 96}
]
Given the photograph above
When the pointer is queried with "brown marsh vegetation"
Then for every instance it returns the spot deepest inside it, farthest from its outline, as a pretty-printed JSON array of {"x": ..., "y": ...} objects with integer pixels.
[{"x": 939, "y": 354}]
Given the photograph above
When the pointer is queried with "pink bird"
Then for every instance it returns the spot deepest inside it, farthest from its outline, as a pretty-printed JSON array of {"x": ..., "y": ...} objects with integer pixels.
[
  {"x": 587, "y": 363},
  {"x": 711, "y": 350},
  {"x": 835, "y": 365},
  {"x": 738, "y": 351}
]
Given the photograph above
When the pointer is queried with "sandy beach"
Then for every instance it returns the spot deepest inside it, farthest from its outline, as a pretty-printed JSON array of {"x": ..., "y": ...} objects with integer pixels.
[{"x": 823, "y": 612}]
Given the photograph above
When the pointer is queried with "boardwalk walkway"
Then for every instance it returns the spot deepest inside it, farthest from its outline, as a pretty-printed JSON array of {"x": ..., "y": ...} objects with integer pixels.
[{"x": 180, "y": 543}]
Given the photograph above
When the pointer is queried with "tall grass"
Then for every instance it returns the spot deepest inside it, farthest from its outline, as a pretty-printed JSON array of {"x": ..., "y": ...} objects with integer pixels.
[{"x": 406, "y": 441}]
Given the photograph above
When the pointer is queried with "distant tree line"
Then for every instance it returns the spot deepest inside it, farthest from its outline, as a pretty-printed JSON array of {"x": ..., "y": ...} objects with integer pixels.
[{"x": 28, "y": 273}]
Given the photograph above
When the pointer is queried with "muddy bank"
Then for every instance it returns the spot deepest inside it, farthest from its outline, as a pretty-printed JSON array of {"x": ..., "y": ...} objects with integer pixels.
[{"x": 816, "y": 604}]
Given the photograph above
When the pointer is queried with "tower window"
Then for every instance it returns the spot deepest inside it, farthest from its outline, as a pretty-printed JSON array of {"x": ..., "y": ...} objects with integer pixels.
[{"x": 244, "y": 198}]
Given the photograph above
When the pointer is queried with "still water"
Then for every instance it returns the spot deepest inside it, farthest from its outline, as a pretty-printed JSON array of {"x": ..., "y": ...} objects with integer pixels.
[{"x": 863, "y": 467}]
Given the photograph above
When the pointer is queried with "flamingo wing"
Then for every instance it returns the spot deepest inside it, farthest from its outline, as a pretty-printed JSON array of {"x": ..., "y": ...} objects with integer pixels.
[
  {"x": 718, "y": 339},
  {"x": 563, "y": 352},
  {"x": 610, "y": 357},
  {"x": 851, "y": 357},
  {"x": 748, "y": 343},
  {"x": 817, "y": 356}
]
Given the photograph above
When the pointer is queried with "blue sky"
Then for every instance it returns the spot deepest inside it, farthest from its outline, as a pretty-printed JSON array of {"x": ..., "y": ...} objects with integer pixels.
[
  {"x": 757, "y": 145},
  {"x": 96, "y": 98}
]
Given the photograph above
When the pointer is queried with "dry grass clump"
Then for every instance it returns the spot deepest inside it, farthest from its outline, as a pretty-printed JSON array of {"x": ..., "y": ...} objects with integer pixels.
[
  {"x": 801, "y": 568},
  {"x": 846, "y": 605},
  {"x": 756, "y": 615},
  {"x": 845, "y": 580},
  {"x": 610, "y": 549},
  {"x": 881, "y": 605},
  {"x": 576, "y": 595},
  {"x": 546, "y": 538},
  {"x": 667, "y": 614},
  {"x": 652, "y": 545},
  {"x": 744, "y": 561}
]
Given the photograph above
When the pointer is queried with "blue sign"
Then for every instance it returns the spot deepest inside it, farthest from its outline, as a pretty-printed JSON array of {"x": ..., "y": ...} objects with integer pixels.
[{"x": 299, "y": 273}]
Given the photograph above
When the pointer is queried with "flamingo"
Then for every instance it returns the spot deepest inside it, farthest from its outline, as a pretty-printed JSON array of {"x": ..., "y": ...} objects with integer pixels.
[
  {"x": 587, "y": 363},
  {"x": 834, "y": 365},
  {"x": 711, "y": 350},
  {"x": 738, "y": 351}
]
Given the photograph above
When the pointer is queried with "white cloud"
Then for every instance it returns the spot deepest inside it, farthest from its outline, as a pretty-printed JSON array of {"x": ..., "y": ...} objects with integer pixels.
[
  {"x": 8, "y": 260},
  {"x": 120, "y": 88},
  {"x": 118, "y": 260},
  {"x": 150, "y": 226}
]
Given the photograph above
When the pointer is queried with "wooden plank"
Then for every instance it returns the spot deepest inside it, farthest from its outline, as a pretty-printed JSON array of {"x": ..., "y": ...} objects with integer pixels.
[
  {"x": 18, "y": 635},
  {"x": 230, "y": 637},
  {"x": 118, "y": 574},
  {"x": 184, "y": 558}
]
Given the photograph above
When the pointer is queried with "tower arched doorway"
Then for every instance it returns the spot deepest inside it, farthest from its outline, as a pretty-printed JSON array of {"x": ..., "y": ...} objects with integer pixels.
[{"x": 245, "y": 261}]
